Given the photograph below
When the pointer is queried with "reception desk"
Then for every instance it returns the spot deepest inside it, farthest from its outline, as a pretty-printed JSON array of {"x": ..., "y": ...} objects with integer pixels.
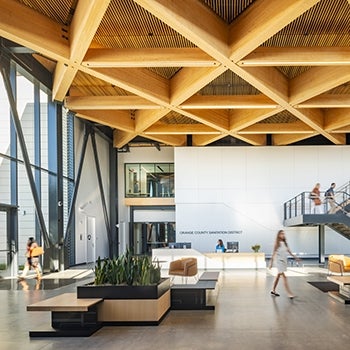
[{"x": 207, "y": 261}]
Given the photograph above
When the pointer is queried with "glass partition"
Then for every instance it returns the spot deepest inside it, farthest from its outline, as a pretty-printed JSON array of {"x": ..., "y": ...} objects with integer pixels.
[
  {"x": 149, "y": 180},
  {"x": 150, "y": 235}
]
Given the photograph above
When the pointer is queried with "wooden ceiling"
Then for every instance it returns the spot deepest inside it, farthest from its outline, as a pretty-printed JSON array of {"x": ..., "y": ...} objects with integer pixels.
[{"x": 194, "y": 72}]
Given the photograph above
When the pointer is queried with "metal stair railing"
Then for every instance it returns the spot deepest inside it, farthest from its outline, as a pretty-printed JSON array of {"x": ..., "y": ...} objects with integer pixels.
[
  {"x": 302, "y": 204},
  {"x": 342, "y": 202},
  {"x": 344, "y": 188},
  {"x": 342, "y": 197}
]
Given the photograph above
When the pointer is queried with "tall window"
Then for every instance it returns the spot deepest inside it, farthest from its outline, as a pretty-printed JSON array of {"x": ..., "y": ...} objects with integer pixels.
[
  {"x": 5, "y": 136},
  {"x": 67, "y": 162},
  {"x": 36, "y": 111}
]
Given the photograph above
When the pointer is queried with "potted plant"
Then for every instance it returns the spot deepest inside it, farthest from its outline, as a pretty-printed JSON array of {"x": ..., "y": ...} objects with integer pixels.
[
  {"x": 131, "y": 287},
  {"x": 256, "y": 248}
]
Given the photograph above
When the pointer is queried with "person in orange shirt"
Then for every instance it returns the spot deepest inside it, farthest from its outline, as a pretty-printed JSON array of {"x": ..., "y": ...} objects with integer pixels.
[
  {"x": 315, "y": 196},
  {"x": 32, "y": 261}
]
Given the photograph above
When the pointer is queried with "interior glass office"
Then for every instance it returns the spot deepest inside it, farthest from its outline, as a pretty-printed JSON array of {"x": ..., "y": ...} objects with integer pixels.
[{"x": 149, "y": 180}]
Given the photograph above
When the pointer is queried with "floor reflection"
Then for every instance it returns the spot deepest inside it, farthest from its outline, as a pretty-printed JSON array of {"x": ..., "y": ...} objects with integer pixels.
[
  {"x": 34, "y": 284},
  {"x": 25, "y": 285}
]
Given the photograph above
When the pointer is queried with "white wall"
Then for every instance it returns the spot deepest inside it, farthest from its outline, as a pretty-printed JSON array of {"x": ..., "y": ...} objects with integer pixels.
[
  {"x": 88, "y": 202},
  {"x": 244, "y": 188}
]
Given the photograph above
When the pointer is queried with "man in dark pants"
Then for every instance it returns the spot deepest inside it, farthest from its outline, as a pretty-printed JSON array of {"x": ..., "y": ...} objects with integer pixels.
[{"x": 329, "y": 194}]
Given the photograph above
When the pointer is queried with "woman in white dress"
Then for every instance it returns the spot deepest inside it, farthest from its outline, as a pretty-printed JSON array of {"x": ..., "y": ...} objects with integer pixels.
[{"x": 280, "y": 254}]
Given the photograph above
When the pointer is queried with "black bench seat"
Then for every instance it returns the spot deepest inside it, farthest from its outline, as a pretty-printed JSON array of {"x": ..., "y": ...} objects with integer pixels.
[
  {"x": 194, "y": 296},
  {"x": 209, "y": 276}
]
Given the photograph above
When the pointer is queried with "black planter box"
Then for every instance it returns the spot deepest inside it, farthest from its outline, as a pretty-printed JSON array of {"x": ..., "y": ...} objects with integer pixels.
[{"x": 124, "y": 292}]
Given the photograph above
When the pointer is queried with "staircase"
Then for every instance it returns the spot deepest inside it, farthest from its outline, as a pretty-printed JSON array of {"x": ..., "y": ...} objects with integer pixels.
[
  {"x": 298, "y": 212},
  {"x": 341, "y": 228}
]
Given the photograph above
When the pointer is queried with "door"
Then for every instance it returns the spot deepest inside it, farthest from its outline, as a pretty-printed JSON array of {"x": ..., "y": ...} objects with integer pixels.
[{"x": 90, "y": 239}]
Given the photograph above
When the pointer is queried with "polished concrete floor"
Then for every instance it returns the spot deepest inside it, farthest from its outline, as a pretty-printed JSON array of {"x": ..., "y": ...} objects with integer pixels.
[{"x": 246, "y": 317}]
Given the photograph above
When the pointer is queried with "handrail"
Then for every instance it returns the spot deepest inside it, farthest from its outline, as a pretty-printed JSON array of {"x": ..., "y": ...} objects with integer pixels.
[
  {"x": 344, "y": 188},
  {"x": 8, "y": 251},
  {"x": 302, "y": 204}
]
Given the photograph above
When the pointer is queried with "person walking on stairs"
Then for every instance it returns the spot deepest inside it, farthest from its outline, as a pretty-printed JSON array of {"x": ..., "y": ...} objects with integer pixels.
[{"x": 329, "y": 195}]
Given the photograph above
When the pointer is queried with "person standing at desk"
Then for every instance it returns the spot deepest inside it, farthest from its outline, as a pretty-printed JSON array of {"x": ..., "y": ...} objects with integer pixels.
[{"x": 220, "y": 247}]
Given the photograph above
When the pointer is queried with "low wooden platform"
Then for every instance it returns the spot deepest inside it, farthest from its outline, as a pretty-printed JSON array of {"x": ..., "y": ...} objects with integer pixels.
[
  {"x": 343, "y": 295},
  {"x": 138, "y": 311},
  {"x": 64, "y": 302},
  {"x": 70, "y": 316}
]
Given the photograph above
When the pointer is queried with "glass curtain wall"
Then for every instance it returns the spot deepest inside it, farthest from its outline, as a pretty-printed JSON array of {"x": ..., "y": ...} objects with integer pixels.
[
  {"x": 34, "y": 109},
  {"x": 3, "y": 243},
  {"x": 24, "y": 92},
  {"x": 5, "y": 136},
  {"x": 5, "y": 170},
  {"x": 5, "y": 181},
  {"x": 68, "y": 160}
]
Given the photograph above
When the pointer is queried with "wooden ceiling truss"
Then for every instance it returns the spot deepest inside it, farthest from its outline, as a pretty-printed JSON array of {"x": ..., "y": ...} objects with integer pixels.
[{"x": 161, "y": 69}]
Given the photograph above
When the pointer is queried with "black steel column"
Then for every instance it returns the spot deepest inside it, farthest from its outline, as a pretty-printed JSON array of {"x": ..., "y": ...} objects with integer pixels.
[
  {"x": 37, "y": 154},
  {"x": 54, "y": 127},
  {"x": 321, "y": 244},
  {"x": 60, "y": 213},
  {"x": 268, "y": 140},
  {"x": 12, "y": 235},
  {"x": 13, "y": 163},
  {"x": 113, "y": 198},
  {"x": 131, "y": 229},
  {"x": 189, "y": 140}
]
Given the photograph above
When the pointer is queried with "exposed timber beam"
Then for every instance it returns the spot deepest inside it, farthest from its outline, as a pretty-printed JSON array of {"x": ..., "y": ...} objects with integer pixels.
[
  {"x": 297, "y": 56},
  {"x": 148, "y": 57}
]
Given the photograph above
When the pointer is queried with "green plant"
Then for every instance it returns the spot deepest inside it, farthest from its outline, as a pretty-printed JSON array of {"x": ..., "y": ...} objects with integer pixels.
[
  {"x": 100, "y": 271},
  {"x": 3, "y": 266},
  {"x": 256, "y": 248},
  {"x": 127, "y": 269}
]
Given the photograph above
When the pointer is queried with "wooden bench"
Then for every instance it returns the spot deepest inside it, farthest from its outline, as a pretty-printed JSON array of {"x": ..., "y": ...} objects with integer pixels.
[
  {"x": 70, "y": 316},
  {"x": 194, "y": 296},
  {"x": 343, "y": 295}
]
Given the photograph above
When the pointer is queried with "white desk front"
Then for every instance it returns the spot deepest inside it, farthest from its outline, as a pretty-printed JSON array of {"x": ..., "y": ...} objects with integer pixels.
[{"x": 208, "y": 261}]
